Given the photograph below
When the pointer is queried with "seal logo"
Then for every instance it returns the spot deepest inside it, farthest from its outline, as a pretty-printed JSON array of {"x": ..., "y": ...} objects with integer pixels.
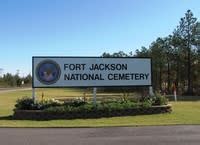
[{"x": 48, "y": 72}]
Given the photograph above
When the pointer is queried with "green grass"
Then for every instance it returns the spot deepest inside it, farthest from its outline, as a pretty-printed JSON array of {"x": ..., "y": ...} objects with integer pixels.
[{"x": 186, "y": 112}]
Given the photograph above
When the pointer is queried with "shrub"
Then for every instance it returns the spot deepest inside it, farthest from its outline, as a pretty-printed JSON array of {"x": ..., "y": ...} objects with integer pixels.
[
  {"x": 88, "y": 108},
  {"x": 79, "y": 109},
  {"x": 104, "y": 107},
  {"x": 130, "y": 105},
  {"x": 75, "y": 103},
  {"x": 146, "y": 104},
  {"x": 56, "y": 109},
  {"x": 48, "y": 103},
  {"x": 158, "y": 99},
  {"x": 26, "y": 103},
  {"x": 79, "y": 105}
]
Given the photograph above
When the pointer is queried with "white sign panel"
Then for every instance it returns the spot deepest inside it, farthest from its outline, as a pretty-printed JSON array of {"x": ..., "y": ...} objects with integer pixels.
[{"x": 90, "y": 72}]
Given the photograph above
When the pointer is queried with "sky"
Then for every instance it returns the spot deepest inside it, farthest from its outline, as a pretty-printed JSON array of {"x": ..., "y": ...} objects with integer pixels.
[{"x": 82, "y": 27}]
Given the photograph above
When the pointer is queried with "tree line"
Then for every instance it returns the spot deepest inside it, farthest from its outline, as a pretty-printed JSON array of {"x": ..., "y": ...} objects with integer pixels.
[
  {"x": 175, "y": 58},
  {"x": 10, "y": 80}
]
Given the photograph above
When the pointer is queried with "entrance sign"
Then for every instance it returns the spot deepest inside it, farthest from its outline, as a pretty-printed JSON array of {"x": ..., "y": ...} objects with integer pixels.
[{"x": 90, "y": 72}]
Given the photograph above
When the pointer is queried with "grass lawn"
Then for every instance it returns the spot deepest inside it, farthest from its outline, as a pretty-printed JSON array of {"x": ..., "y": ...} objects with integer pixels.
[{"x": 184, "y": 112}]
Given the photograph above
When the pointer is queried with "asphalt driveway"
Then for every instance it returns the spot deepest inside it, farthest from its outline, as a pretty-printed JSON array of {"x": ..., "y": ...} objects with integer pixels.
[{"x": 160, "y": 135}]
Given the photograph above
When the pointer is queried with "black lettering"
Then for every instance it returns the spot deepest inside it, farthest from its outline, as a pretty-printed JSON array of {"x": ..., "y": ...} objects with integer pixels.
[
  {"x": 73, "y": 77},
  {"x": 90, "y": 77},
  {"x": 91, "y": 68},
  {"x": 118, "y": 67},
  {"x": 141, "y": 76},
  {"x": 116, "y": 77},
  {"x": 101, "y": 78},
  {"x": 112, "y": 67},
  {"x": 121, "y": 76},
  {"x": 146, "y": 75},
  {"x": 101, "y": 67},
  {"x": 80, "y": 66},
  {"x": 110, "y": 76},
  {"x": 85, "y": 77},
  {"x": 107, "y": 67},
  {"x": 94, "y": 67},
  {"x": 124, "y": 67},
  {"x": 128, "y": 76},
  {"x": 65, "y": 66},
  {"x": 66, "y": 77},
  {"x": 74, "y": 66},
  {"x": 137, "y": 76}
]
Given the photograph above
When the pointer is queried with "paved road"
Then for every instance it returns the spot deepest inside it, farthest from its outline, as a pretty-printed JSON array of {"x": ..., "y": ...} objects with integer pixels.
[
  {"x": 7, "y": 90},
  {"x": 173, "y": 135}
]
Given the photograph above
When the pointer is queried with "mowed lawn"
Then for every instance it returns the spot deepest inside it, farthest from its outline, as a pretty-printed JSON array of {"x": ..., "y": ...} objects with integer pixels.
[{"x": 184, "y": 112}]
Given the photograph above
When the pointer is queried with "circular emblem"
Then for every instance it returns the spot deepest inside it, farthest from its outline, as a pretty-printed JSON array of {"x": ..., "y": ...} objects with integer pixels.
[{"x": 48, "y": 72}]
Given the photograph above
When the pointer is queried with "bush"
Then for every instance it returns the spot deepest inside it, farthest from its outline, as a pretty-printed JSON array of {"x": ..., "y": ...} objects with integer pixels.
[
  {"x": 53, "y": 109},
  {"x": 158, "y": 99},
  {"x": 155, "y": 100},
  {"x": 147, "y": 103},
  {"x": 48, "y": 103},
  {"x": 80, "y": 106},
  {"x": 100, "y": 107},
  {"x": 56, "y": 109},
  {"x": 26, "y": 103},
  {"x": 75, "y": 103}
]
